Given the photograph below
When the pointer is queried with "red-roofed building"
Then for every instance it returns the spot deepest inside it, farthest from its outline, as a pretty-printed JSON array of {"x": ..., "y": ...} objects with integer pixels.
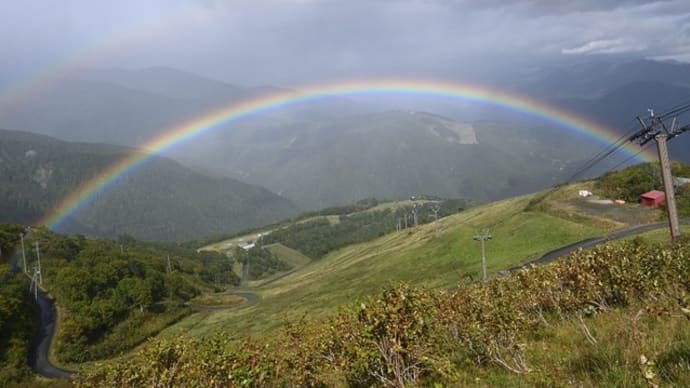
[{"x": 653, "y": 198}]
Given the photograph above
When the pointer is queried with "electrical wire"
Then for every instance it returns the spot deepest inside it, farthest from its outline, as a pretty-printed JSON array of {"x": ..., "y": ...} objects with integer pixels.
[{"x": 629, "y": 158}]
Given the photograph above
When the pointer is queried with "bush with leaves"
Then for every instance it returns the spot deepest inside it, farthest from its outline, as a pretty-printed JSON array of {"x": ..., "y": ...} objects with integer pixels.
[{"x": 409, "y": 336}]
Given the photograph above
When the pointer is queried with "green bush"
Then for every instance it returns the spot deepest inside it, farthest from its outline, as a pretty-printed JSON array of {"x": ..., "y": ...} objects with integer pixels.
[{"x": 408, "y": 336}]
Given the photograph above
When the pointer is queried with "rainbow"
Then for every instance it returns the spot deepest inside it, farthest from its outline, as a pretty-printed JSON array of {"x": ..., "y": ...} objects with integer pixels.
[
  {"x": 101, "y": 51},
  {"x": 200, "y": 125}
]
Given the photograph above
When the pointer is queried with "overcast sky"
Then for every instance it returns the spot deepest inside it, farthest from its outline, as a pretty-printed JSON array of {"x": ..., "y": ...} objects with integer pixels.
[{"x": 292, "y": 42}]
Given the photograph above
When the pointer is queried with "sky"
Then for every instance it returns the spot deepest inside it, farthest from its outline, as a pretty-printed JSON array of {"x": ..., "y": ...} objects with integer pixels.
[{"x": 292, "y": 42}]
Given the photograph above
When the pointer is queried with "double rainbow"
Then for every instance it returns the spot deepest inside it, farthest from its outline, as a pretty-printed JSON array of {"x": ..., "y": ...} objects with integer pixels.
[{"x": 200, "y": 125}]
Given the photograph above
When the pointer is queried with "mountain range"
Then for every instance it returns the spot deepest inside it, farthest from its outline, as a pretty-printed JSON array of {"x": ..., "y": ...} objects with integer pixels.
[
  {"x": 338, "y": 150},
  {"x": 159, "y": 200}
]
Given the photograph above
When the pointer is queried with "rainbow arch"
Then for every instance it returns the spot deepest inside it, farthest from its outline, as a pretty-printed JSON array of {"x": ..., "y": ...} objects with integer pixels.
[{"x": 208, "y": 122}]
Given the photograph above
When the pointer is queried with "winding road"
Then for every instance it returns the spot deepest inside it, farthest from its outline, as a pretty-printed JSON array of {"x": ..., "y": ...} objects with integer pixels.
[
  {"x": 40, "y": 347},
  {"x": 39, "y": 359}
]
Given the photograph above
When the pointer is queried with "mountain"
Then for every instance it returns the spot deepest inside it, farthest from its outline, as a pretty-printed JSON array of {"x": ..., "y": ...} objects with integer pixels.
[
  {"x": 160, "y": 199},
  {"x": 619, "y": 107},
  {"x": 171, "y": 83},
  {"x": 595, "y": 79},
  {"x": 336, "y": 150},
  {"x": 95, "y": 111},
  {"x": 392, "y": 154},
  {"x": 131, "y": 107}
]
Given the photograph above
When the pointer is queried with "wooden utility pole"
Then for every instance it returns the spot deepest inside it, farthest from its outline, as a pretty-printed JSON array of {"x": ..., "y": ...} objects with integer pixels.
[
  {"x": 21, "y": 237},
  {"x": 483, "y": 237},
  {"x": 654, "y": 128},
  {"x": 673, "y": 223},
  {"x": 38, "y": 257},
  {"x": 33, "y": 287}
]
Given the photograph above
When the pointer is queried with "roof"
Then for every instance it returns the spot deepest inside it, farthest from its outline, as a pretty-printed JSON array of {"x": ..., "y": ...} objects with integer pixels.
[
  {"x": 654, "y": 194},
  {"x": 679, "y": 181}
]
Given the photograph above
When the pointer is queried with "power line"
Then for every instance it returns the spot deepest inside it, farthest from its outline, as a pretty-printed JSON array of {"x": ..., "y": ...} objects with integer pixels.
[
  {"x": 631, "y": 135},
  {"x": 588, "y": 166},
  {"x": 603, "y": 154},
  {"x": 629, "y": 158}
]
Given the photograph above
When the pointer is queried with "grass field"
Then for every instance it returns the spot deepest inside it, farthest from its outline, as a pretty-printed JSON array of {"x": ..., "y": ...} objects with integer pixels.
[
  {"x": 414, "y": 256},
  {"x": 662, "y": 234}
]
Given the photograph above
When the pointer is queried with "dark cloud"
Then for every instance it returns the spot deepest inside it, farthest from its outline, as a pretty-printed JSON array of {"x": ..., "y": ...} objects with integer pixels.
[{"x": 290, "y": 42}]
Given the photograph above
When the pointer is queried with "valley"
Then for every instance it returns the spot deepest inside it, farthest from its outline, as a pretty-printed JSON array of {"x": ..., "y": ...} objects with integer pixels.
[
  {"x": 417, "y": 257},
  {"x": 199, "y": 232},
  {"x": 436, "y": 255}
]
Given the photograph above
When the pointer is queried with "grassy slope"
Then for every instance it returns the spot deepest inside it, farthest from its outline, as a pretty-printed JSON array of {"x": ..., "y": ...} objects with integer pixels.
[
  {"x": 333, "y": 219},
  {"x": 417, "y": 257}
]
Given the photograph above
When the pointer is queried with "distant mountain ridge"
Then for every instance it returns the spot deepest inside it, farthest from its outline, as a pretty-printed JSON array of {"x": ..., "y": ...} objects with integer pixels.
[
  {"x": 620, "y": 106},
  {"x": 393, "y": 154},
  {"x": 160, "y": 200},
  {"x": 596, "y": 79},
  {"x": 130, "y": 107},
  {"x": 338, "y": 150}
]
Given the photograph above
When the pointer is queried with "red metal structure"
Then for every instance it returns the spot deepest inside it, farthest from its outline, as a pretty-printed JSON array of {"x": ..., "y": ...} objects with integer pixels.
[{"x": 653, "y": 198}]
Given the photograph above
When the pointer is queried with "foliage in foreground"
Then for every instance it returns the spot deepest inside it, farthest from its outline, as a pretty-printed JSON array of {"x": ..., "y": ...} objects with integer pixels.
[
  {"x": 112, "y": 295},
  {"x": 17, "y": 326},
  {"x": 497, "y": 330}
]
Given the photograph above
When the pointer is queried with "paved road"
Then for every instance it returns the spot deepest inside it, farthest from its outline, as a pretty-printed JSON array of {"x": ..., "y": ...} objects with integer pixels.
[
  {"x": 40, "y": 347},
  {"x": 39, "y": 360},
  {"x": 250, "y": 297},
  {"x": 591, "y": 242}
]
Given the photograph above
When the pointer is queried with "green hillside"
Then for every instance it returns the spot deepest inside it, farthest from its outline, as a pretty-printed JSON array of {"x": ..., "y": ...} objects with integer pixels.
[
  {"x": 160, "y": 200},
  {"x": 614, "y": 316},
  {"x": 293, "y": 301},
  {"x": 522, "y": 231}
]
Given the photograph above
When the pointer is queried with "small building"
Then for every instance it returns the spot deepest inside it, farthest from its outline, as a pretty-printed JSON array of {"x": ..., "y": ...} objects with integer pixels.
[
  {"x": 678, "y": 181},
  {"x": 653, "y": 198},
  {"x": 584, "y": 193}
]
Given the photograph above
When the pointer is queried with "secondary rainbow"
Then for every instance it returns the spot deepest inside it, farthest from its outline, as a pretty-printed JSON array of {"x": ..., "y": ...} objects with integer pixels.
[
  {"x": 101, "y": 51},
  {"x": 200, "y": 125}
]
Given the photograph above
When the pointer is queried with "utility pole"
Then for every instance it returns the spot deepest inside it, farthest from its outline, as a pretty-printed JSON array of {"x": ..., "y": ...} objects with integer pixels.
[
  {"x": 21, "y": 237},
  {"x": 654, "y": 128},
  {"x": 34, "y": 282},
  {"x": 483, "y": 237},
  {"x": 435, "y": 209},
  {"x": 673, "y": 223},
  {"x": 414, "y": 214},
  {"x": 38, "y": 256}
]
